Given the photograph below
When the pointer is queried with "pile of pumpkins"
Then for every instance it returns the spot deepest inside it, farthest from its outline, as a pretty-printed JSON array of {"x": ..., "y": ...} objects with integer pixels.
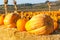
[{"x": 38, "y": 24}]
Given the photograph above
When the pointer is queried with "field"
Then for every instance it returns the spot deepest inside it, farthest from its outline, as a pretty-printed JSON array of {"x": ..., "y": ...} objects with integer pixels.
[
  {"x": 13, "y": 34},
  {"x": 21, "y": 24}
]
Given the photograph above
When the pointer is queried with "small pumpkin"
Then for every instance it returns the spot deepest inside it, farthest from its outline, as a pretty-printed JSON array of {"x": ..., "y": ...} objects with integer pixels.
[
  {"x": 2, "y": 19},
  {"x": 55, "y": 19},
  {"x": 40, "y": 24},
  {"x": 21, "y": 24},
  {"x": 11, "y": 18}
]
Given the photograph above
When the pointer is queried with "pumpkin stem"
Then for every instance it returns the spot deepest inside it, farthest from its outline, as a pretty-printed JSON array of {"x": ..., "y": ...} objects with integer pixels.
[{"x": 5, "y": 5}]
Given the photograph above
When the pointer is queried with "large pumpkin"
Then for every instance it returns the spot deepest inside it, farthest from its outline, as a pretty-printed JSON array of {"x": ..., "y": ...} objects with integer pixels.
[
  {"x": 40, "y": 24},
  {"x": 21, "y": 24},
  {"x": 2, "y": 19},
  {"x": 11, "y": 19}
]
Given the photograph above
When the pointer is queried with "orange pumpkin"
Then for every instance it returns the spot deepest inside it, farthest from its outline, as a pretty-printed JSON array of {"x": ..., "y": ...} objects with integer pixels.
[
  {"x": 2, "y": 19},
  {"x": 40, "y": 24},
  {"x": 55, "y": 19},
  {"x": 59, "y": 22},
  {"x": 13, "y": 25},
  {"x": 21, "y": 24},
  {"x": 55, "y": 25},
  {"x": 11, "y": 19}
]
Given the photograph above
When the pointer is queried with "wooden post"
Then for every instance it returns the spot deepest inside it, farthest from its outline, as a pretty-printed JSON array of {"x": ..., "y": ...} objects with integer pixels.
[
  {"x": 49, "y": 6},
  {"x": 5, "y": 6},
  {"x": 15, "y": 6}
]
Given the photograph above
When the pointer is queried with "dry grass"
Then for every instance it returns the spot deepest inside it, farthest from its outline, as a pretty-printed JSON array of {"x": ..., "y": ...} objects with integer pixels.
[{"x": 13, "y": 34}]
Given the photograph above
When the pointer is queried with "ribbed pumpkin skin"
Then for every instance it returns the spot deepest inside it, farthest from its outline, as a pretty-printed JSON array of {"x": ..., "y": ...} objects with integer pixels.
[
  {"x": 11, "y": 19},
  {"x": 21, "y": 24},
  {"x": 2, "y": 19},
  {"x": 40, "y": 24}
]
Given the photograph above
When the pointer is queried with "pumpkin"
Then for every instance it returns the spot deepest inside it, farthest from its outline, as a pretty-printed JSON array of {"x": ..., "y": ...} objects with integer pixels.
[
  {"x": 13, "y": 25},
  {"x": 21, "y": 24},
  {"x": 40, "y": 24},
  {"x": 55, "y": 19},
  {"x": 11, "y": 19},
  {"x": 2, "y": 19},
  {"x": 55, "y": 23}
]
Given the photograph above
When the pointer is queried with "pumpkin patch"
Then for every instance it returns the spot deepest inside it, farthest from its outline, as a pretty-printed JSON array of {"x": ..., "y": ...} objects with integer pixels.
[{"x": 32, "y": 22}]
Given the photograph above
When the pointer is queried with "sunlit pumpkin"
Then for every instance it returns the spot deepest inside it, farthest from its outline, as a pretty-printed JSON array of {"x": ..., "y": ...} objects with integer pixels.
[
  {"x": 11, "y": 19},
  {"x": 13, "y": 25},
  {"x": 21, "y": 24},
  {"x": 2, "y": 19},
  {"x": 40, "y": 24}
]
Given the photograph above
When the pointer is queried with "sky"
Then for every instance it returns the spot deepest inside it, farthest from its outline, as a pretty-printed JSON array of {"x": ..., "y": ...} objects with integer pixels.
[{"x": 25, "y": 1}]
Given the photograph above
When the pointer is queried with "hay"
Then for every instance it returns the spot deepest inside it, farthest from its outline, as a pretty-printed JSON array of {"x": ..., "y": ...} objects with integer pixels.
[{"x": 13, "y": 34}]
